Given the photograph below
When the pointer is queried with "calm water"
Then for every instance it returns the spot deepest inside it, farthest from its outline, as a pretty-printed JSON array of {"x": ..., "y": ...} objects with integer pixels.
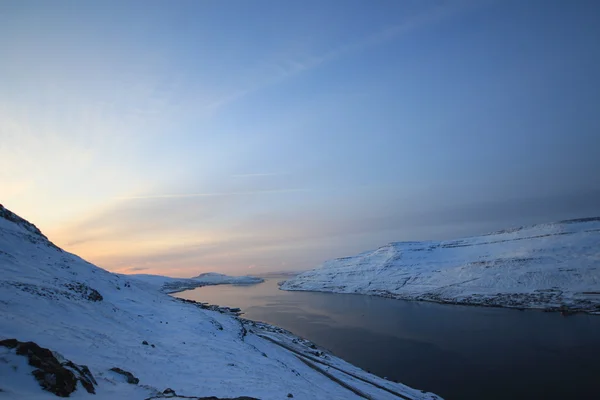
[{"x": 457, "y": 352}]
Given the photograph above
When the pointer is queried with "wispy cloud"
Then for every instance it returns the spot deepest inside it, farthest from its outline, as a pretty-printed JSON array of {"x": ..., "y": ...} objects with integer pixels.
[
  {"x": 216, "y": 194},
  {"x": 257, "y": 175},
  {"x": 134, "y": 269},
  {"x": 292, "y": 67}
]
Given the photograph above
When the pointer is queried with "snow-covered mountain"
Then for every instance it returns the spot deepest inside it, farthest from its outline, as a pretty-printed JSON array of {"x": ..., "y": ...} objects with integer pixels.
[
  {"x": 550, "y": 266},
  {"x": 70, "y": 328},
  {"x": 172, "y": 285}
]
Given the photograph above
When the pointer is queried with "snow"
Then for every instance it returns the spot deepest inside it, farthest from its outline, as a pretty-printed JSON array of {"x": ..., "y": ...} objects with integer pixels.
[
  {"x": 95, "y": 318},
  {"x": 172, "y": 285},
  {"x": 550, "y": 266}
]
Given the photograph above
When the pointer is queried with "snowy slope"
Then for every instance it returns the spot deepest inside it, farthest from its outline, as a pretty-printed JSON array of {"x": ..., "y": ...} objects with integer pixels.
[
  {"x": 551, "y": 266},
  {"x": 172, "y": 285},
  {"x": 102, "y": 320}
]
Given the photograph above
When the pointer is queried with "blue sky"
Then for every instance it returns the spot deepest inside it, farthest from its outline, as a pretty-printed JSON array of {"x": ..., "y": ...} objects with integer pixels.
[{"x": 239, "y": 137}]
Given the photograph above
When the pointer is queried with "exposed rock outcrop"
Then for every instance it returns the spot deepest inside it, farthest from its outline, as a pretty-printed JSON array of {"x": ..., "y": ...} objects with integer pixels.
[
  {"x": 130, "y": 377},
  {"x": 34, "y": 234},
  {"x": 54, "y": 376},
  {"x": 85, "y": 291}
]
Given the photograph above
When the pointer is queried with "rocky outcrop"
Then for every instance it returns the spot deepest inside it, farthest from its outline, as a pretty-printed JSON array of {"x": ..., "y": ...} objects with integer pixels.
[
  {"x": 169, "y": 393},
  {"x": 75, "y": 291},
  {"x": 174, "y": 396},
  {"x": 128, "y": 375},
  {"x": 221, "y": 309},
  {"x": 12, "y": 217},
  {"x": 85, "y": 291},
  {"x": 54, "y": 376},
  {"x": 34, "y": 235}
]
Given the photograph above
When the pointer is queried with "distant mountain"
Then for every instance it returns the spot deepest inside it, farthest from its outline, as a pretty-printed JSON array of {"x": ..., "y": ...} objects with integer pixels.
[
  {"x": 278, "y": 274},
  {"x": 226, "y": 279},
  {"x": 172, "y": 285},
  {"x": 68, "y": 327},
  {"x": 552, "y": 266}
]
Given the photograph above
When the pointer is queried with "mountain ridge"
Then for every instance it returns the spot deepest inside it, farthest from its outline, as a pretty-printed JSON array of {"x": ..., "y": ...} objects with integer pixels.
[{"x": 552, "y": 266}]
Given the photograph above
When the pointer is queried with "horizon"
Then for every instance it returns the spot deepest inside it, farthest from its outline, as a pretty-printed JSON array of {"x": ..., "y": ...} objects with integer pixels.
[
  {"x": 293, "y": 271},
  {"x": 154, "y": 138}
]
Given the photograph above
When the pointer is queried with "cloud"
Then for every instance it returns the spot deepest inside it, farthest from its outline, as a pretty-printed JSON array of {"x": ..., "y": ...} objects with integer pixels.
[
  {"x": 133, "y": 269},
  {"x": 185, "y": 236},
  {"x": 215, "y": 194},
  {"x": 291, "y": 67},
  {"x": 73, "y": 123},
  {"x": 257, "y": 175}
]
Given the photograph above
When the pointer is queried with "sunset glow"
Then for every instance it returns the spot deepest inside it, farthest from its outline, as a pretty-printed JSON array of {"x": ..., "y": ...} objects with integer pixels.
[{"x": 177, "y": 139}]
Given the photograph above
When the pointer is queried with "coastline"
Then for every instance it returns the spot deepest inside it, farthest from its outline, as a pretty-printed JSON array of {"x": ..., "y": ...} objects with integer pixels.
[
  {"x": 591, "y": 309},
  {"x": 334, "y": 368}
]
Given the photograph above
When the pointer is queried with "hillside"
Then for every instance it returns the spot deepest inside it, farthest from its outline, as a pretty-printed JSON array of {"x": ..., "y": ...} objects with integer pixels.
[
  {"x": 70, "y": 328},
  {"x": 549, "y": 266}
]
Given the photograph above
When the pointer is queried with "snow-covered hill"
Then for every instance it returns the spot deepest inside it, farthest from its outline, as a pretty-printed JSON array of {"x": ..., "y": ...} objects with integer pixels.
[
  {"x": 172, "y": 285},
  {"x": 123, "y": 338},
  {"x": 550, "y": 266}
]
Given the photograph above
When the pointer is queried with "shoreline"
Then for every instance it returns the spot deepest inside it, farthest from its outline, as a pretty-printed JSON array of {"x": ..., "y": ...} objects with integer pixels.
[
  {"x": 316, "y": 357},
  {"x": 565, "y": 310}
]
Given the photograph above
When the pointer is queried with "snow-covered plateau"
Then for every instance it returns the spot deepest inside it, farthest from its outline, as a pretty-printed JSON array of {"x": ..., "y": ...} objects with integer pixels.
[
  {"x": 71, "y": 329},
  {"x": 173, "y": 285},
  {"x": 552, "y": 266}
]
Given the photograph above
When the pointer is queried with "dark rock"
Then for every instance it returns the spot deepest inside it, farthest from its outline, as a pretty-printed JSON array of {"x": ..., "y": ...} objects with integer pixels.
[
  {"x": 153, "y": 346},
  {"x": 85, "y": 291},
  {"x": 10, "y": 343},
  {"x": 290, "y": 395},
  {"x": 10, "y": 216},
  {"x": 169, "y": 391},
  {"x": 57, "y": 378},
  {"x": 85, "y": 376},
  {"x": 145, "y": 343},
  {"x": 60, "y": 382},
  {"x": 86, "y": 371},
  {"x": 174, "y": 396},
  {"x": 130, "y": 377}
]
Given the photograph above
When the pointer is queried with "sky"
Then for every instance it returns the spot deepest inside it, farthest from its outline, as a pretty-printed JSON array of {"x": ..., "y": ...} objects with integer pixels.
[{"x": 180, "y": 137}]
